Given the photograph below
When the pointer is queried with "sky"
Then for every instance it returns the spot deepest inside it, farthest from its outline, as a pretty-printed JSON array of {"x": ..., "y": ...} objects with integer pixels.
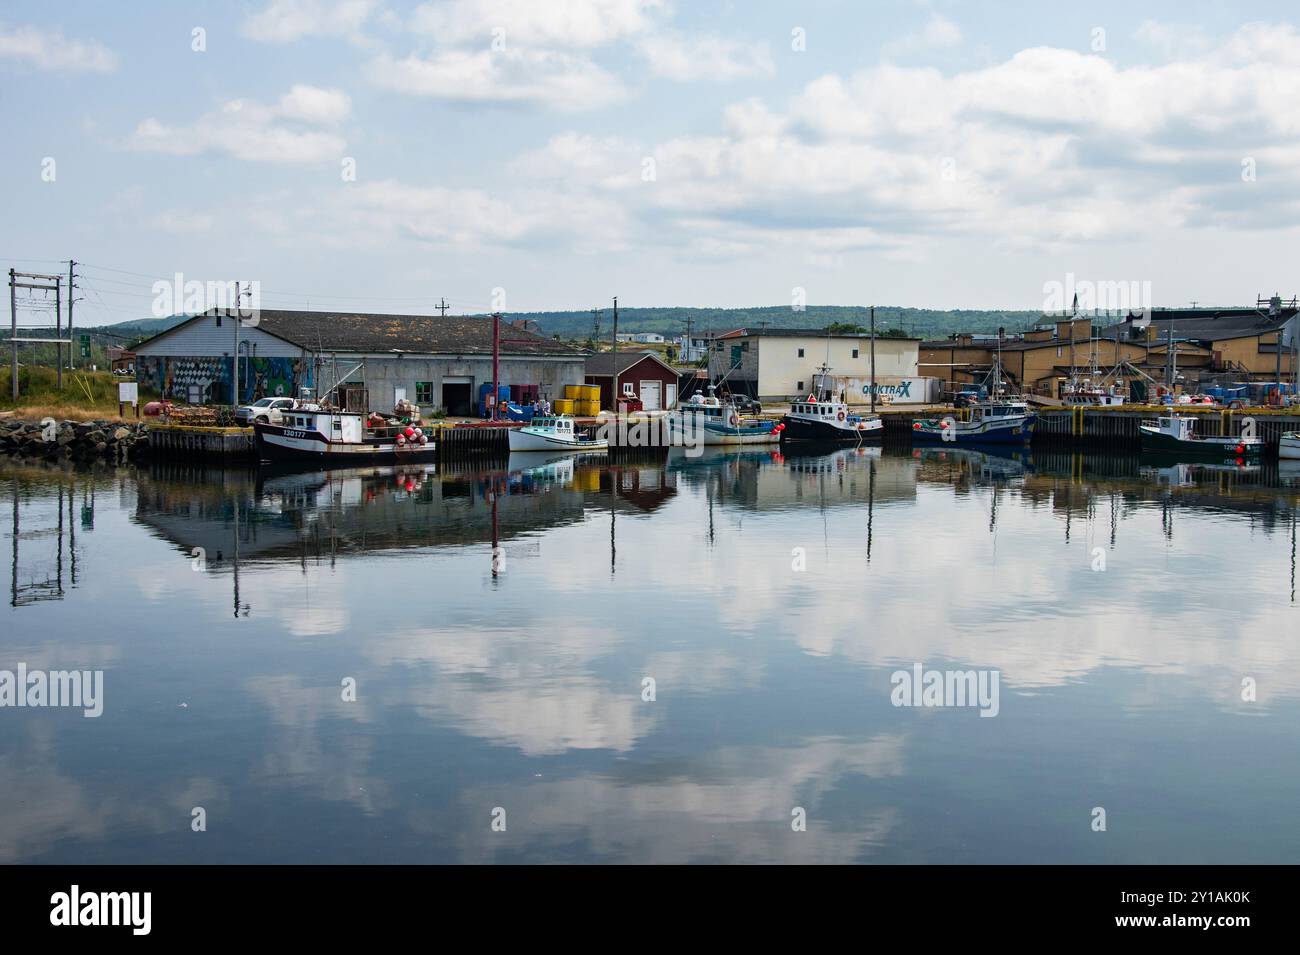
[{"x": 519, "y": 155}]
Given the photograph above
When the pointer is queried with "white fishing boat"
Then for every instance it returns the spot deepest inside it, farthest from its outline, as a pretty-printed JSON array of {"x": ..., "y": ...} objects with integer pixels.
[
  {"x": 1176, "y": 434},
  {"x": 553, "y": 434},
  {"x": 1288, "y": 446},
  {"x": 710, "y": 420},
  {"x": 312, "y": 432},
  {"x": 1089, "y": 395}
]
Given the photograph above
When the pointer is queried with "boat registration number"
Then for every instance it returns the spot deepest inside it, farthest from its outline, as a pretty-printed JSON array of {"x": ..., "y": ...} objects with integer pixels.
[{"x": 294, "y": 434}]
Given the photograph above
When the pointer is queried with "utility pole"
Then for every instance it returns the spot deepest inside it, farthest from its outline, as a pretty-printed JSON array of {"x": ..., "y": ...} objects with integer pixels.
[
  {"x": 234, "y": 365},
  {"x": 59, "y": 334},
  {"x": 595, "y": 325},
  {"x": 442, "y": 307},
  {"x": 71, "y": 297},
  {"x": 614, "y": 356},
  {"x": 13, "y": 372}
]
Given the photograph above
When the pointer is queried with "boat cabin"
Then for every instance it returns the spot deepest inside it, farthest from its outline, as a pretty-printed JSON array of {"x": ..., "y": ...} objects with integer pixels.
[
  {"x": 998, "y": 408},
  {"x": 346, "y": 426},
  {"x": 561, "y": 424},
  {"x": 1177, "y": 427}
]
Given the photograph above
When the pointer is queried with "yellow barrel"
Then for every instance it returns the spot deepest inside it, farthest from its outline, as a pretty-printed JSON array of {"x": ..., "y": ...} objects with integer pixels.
[
  {"x": 564, "y": 405},
  {"x": 573, "y": 392}
]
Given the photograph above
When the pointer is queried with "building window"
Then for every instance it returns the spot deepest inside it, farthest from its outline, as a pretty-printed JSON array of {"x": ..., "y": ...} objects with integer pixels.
[
  {"x": 855, "y": 353},
  {"x": 628, "y": 389},
  {"x": 800, "y": 352},
  {"x": 424, "y": 392},
  {"x": 800, "y": 387}
]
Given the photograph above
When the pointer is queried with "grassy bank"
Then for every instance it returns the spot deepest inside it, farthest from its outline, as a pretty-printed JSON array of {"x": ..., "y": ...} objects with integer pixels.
[{"x": 85, "y": 394}]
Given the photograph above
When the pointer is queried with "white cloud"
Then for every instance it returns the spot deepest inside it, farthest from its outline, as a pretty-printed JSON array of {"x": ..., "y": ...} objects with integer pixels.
[
  {"x": 283, "y": 21},
  {"x": 51, "y": 50},
  {"x": 554, "y": 24},
  {"x": 513, "y": 76},
  {"x": 1048, "y": 146},
  {"x": 254, "y": 132},
  {"x": 687, "y": 58},
  {"x": 938, "y": 33},
  {"x": 311, "y": 104},
  {"x": 521, "y": 53},
  {"x": 472, "y": 218}
]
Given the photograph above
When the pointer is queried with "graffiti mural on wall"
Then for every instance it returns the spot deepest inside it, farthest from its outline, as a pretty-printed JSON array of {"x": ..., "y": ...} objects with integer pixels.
[
  {"x": 268, "y": 377},
  {"x": 204, "y": 380}
]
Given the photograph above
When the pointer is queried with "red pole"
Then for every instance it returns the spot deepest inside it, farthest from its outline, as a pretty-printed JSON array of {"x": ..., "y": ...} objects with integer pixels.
[{"x": 496, "y": 361}]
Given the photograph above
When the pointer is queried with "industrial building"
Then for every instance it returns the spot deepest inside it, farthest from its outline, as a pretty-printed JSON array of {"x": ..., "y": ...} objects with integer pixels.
[
  {"x": 438, "y": 362},
  {"x": 1246, "y": 343},
  {"x": 779, "y": 363}
]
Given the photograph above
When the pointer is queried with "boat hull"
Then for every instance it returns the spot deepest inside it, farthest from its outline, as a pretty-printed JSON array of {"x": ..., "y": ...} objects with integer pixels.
[
  {"x": 1201, "y": 449},
  {"x": 1289, "y": 448},
  {"x": 984, "y": 433},
  {"x": 521, "y": 440},
  {"x": 802, "y": 429},
  {"x": 276, "y": 443},
  {"x": 721, "y": 434}
]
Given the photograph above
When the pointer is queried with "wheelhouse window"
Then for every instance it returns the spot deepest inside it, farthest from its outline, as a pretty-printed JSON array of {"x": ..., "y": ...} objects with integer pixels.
[{"x": 800, "y": 352}]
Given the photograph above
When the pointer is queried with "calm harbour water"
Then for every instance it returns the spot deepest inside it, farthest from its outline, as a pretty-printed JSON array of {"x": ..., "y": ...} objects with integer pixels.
[{"x": 1121, "y": 606}]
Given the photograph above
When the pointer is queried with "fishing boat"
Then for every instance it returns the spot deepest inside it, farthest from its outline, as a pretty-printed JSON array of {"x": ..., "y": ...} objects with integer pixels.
[
  {"x": 821, "y": 417},
  {"x": 553, "y": 434},
  {"x": 1177, "y": 434},
  {"x": 1089, "y": 395},
  {"x": 1001, "y": 420},
  {"x": 318, "y": 433},
  {"x": 813, "y": 420},
  {"x": 709, "y": 420},
  {"x": 1288, "y": 446}
]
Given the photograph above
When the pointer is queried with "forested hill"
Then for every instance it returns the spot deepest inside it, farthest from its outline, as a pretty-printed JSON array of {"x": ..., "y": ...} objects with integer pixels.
[{"x": 921, "y": 322}]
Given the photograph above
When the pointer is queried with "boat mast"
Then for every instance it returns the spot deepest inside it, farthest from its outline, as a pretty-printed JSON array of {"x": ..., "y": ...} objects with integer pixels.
[{"x": 873, "y": 359}]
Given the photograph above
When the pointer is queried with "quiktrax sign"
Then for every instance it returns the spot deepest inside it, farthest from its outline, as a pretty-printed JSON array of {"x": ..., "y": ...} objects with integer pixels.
[{"x": 902, "y": 391}]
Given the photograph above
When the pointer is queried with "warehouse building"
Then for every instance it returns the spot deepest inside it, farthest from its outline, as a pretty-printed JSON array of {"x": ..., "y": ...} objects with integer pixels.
[
  {"x": 780, "y": 363},
  {"x": 437, "y": 362}
]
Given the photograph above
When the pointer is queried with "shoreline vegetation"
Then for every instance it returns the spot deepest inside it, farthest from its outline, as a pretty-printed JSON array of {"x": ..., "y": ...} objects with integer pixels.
[{"x": 85, "y": 396}]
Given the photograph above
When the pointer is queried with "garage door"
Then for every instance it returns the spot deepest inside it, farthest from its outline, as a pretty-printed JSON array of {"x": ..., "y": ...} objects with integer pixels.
[{"x": 649, "y": 393}]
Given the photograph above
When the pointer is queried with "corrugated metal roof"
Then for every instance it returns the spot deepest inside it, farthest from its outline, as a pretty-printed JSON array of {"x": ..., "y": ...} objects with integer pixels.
[{"x": 370, "y": 333}]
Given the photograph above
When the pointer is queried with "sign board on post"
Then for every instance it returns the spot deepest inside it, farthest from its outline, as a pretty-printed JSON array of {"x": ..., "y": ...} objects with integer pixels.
[
  {"x": 128, "y": 393},
  {"x": 85, "y": 346}
]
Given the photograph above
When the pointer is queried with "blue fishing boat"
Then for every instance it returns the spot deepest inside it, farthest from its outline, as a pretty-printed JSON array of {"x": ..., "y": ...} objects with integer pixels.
[{"x": 1001, "y": 420}]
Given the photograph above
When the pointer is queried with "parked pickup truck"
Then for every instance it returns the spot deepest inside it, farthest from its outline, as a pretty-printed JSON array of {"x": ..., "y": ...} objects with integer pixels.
[{"x": 267, "y": 410}]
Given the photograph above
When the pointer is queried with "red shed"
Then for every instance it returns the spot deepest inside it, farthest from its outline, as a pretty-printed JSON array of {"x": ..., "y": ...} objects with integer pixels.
[{"x": 643, "y": 374}]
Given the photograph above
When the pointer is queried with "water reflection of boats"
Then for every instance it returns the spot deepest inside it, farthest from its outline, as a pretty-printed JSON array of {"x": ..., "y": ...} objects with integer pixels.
[
  {"x": 1170, "y": 471},
  {"x": 555, "y": 466},
  {"x": 707, "y": 456},
  {"x": 981, "y": 461},
  {"x": 818, "y": 457}
]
